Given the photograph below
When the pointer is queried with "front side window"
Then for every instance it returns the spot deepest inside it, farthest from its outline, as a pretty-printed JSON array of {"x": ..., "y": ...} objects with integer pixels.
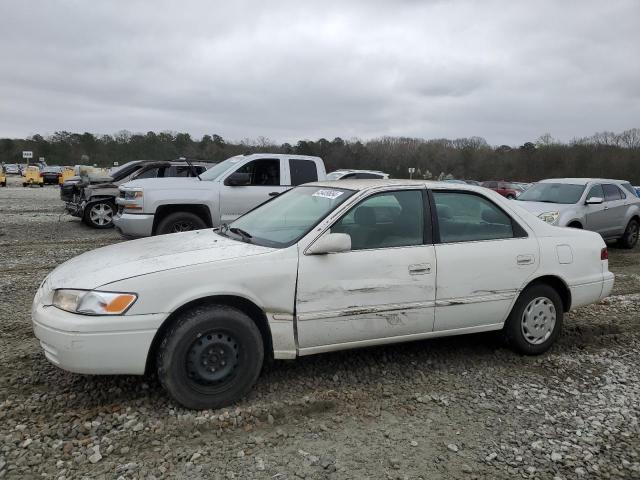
[
  {"x": 149, "y": 173},
  {"x": 466, "y": 217},
  {"x": 288, "y": 217},
  {"x": 262, "y": 172},
  {"x": 595, "y": 191},
  {"x": 611, "y": 192},
  {"x": 385, "y": 220},
  {"x": 302, "y": 171}
]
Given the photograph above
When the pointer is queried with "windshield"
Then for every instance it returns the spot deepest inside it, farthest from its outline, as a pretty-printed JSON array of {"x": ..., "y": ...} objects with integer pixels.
[
  {"x": 287, "y": 218},
  {"x": 335, "y": 175},
  {"x": 218, "y": 169},
  {"x": 553, "y": 193}
]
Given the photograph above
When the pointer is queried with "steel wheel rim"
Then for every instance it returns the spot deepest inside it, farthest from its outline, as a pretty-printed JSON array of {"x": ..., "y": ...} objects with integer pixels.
[
  {"x": 101, "y": 214},
  {"x": 538, "y": 320},
  {"x": 182, "y": 227},
  {"x": 212, "y": 359}
]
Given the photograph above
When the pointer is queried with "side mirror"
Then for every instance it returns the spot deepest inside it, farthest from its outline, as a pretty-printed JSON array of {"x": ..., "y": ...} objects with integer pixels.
[
  {"x": 238, "y": 179},
  {"x": 594, "y": 200},
  {"x": 330, "y": 243}
]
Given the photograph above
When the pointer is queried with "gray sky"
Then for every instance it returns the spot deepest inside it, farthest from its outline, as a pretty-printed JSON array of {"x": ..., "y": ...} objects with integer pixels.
[{"x": 505, "y": 70}]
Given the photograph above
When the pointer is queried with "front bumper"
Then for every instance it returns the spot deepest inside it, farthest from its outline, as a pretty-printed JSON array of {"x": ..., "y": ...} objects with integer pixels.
[
  {"x": 133, "y": 225},
  {"x": 95, "y": 345}
]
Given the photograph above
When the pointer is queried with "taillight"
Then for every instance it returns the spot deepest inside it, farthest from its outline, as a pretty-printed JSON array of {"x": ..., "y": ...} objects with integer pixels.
[
  {"x": 604, "y": 254},
  {"x": 41, "y": 174}
]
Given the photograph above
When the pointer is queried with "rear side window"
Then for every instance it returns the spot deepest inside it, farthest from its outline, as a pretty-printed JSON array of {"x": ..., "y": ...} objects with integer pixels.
[
  {"x": 490, "y": 184},
  {"x": 629, "y": 188},
  {"x": 302, "y": 171},
  {"x": 595, "y": 191},
  {"x": 611, "y": 192},
  {"x": 465, "y": 217}
]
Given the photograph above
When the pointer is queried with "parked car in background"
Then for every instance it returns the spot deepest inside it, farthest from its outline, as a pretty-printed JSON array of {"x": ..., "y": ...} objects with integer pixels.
[
  {"x": 326, "y": 266},
  {"x": 51, "y": 175},
  {"x": 506, "y": 189},
  {"x": 96, "y": 202},
  {"x": 606, "y": 206},
  {"x": 220, "y": 195},
  {"x": 12, "y": 169},
  {"x": 637, "y": 189},
  {"x": 3, "y": 177},
  {"x": 344, "y": 174}
]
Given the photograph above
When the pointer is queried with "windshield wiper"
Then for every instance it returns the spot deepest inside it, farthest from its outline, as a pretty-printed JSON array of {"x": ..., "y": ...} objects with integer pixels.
[{"x": 238, "y": 231}]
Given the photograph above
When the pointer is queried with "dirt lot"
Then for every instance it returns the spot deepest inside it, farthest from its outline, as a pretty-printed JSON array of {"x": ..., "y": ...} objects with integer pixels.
[{"x": 461, "y": 407}]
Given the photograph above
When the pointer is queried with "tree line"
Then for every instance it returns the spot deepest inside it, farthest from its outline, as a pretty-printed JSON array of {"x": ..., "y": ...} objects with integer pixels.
[{"x": 604, "y": 154}]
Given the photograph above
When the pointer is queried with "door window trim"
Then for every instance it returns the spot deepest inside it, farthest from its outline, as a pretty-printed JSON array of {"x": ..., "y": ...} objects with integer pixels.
[{"x": 518, "y": 231}]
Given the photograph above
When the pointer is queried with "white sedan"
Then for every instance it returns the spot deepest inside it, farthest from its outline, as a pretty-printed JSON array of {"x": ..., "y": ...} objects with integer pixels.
[{"x": 326, "y": 266}]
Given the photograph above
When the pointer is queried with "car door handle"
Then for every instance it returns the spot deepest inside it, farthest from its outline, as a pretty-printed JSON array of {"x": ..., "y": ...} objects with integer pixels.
[
  {"x": 274, "y": 194},
  {"x": 524, "y": 259},
  {"x": 420, "y": 269}
]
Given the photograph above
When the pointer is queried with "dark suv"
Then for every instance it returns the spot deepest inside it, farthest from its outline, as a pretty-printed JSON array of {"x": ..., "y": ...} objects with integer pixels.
[{"x": 93, "y": 198}]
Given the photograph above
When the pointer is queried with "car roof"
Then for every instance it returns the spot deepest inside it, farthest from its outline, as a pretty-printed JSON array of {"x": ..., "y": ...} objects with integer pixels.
[
  {"x": 580, "y": 181},
  {"x": 373, "y": 183},
  {"x": 350, "y": 170}
]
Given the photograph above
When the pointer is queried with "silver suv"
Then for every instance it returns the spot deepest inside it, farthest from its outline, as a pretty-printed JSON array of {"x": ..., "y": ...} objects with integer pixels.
[{"x": 609, "y": 207}]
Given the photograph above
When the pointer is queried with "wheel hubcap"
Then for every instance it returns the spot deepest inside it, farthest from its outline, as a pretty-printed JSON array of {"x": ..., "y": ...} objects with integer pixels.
[
  {"x": 101, "y": 214},
  {"x": 538, "y": 320},
  {"x": 181, "y": 227},
  {"x": 212, "y": 358}
]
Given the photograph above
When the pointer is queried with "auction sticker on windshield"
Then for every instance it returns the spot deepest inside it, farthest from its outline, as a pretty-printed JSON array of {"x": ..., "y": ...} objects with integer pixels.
[{"x": 326, "y": 193}]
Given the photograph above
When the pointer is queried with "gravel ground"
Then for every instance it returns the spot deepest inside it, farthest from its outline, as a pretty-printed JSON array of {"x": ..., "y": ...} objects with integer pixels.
[{"x": 462, "y": 407}]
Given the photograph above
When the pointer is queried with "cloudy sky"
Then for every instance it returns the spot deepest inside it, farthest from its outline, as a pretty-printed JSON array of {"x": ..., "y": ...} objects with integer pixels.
[{"x": 505, "y": 70}]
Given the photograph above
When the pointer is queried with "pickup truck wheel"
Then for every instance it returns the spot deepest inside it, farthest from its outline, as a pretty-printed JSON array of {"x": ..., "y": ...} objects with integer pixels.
[
  {"x": 180, "y": 222},
  {"x": 631, "y": 233},
  {"x": 99, "y": 214},
  {"x": 210, "y": 358},
  {"x": 535, "y": 320}
]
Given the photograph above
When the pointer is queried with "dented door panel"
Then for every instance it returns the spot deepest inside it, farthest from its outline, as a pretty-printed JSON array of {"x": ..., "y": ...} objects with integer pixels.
[{"x": 365, "y": 294}]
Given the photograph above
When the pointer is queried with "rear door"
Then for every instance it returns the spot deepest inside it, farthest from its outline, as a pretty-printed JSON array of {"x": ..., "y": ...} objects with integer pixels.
[
  {"x": 484, "y": 256},
  {"x": 267, "y": 180}
]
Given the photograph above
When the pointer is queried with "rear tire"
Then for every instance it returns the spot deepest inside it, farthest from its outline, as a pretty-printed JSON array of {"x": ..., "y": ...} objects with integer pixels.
[
  {"x": 575, "y": 225},
  {"x": 631, "y": 233},
  {"x": 535, "y": 320},
  {"x": 99, "y": 214},
  {"x": 211, "y": 357},
  {"x": 180, "y": 222}
]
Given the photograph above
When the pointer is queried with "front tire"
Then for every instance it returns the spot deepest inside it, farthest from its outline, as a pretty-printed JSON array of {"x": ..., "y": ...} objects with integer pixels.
[
  {"x": 211, "y": 357},
  {"x": 535, "y": 320},
  {"x": 180, "y": 222},
  {"x": 99, "y": 214},
  {"x": 631, "y": 233}
]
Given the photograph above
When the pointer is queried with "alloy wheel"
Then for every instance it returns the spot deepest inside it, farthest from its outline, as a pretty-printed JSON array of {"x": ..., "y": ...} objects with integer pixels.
[{"x": 101, "y": 214}]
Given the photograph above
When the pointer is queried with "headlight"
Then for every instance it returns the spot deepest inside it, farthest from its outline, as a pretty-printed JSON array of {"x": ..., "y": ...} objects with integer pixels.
[
  {"x": 549, "y": 217},
  {"x": 90, "y": 302},
  {"x": 132, "y": 194}
]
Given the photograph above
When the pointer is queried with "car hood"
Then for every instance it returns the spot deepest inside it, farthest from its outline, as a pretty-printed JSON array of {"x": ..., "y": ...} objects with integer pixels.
[
  {"x": 168, "y": 183},
  {"x": 540, "y": 207},
  {"x": 148, "y": 255}
]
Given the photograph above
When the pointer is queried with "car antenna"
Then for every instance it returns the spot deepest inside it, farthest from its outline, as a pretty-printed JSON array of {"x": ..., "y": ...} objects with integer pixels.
[{"x": 193, "y": 170}]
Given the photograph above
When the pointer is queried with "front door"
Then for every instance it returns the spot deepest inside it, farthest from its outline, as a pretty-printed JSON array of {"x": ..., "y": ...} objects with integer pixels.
[
  {"x": 384, "y": 287},
  {"x": 266, "y": 181},
  {"x": 484, "y": 256}
]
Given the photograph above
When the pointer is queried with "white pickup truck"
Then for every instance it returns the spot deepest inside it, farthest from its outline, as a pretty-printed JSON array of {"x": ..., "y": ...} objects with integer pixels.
[{"x": 220, "y": 195}]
